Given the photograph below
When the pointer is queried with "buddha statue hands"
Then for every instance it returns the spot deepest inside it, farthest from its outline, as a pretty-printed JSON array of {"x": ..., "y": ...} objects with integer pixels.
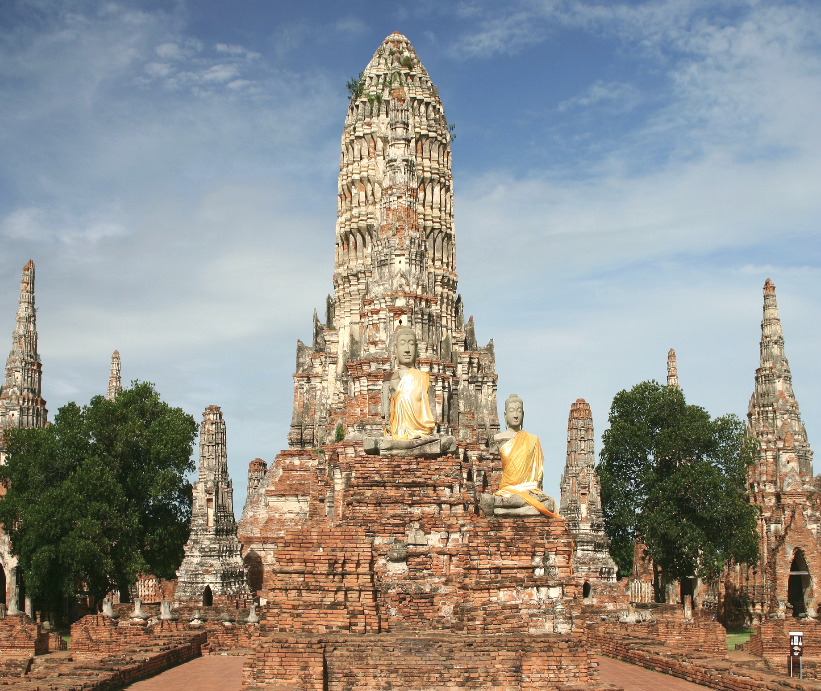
[
  {"x": 522, "y": 465},
  {"x": 408, "y": 405}
]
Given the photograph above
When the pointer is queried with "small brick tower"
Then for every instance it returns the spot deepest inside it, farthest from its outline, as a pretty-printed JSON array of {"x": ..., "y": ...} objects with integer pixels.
[
  {"x": 672, "y": 369},
  {"x": 115, "y": 384},
  {"x": 21, "y": 405},
  {"x": 21, "y": 402},
  {"x": 581, "y": 501},
  {"x": 212, "y": 569}
]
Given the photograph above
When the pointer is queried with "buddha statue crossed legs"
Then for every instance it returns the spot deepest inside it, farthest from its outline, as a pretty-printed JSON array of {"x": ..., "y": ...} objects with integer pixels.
[
  {"x": 522, "y": 461},
  {"x": 408, "y": 405}
]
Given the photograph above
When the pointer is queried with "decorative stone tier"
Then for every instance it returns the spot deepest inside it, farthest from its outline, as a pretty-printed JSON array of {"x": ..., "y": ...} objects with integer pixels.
[
  {"x": 395, "y": 263},
  {"x": 350, "y": 543},
  {"x": 406, "y": 661}
]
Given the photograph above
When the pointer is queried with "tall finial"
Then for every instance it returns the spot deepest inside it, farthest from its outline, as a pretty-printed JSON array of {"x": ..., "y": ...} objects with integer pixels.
[
  {"x": 672, "y": 369},
  {"x": 21, "y": 403},
  {"x": 773, "y": 415},
  {"x": 772, "y": 335},
  {"x": 114, "y": 382}
]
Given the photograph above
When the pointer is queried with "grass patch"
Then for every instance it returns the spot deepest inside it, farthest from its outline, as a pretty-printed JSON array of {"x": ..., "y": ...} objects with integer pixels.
[{"x": 735, "y": 636}]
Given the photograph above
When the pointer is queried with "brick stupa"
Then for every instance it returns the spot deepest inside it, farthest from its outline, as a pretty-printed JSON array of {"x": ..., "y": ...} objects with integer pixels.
[
  {"x": 21, "y": 405},
  {"x": 379, "y": 572},
  {"x": 212, "y": 571},
  {"x": 581, "y": 503},
  {"x": 781, "y": 484}
]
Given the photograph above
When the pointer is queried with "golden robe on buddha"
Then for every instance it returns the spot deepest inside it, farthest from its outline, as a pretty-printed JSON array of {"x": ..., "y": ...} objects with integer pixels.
[
  {"x": 522, "y": 469},
  {"x": 411, "y": 416}
]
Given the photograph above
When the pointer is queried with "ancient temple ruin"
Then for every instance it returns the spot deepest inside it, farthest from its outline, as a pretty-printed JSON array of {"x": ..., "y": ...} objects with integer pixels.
[
  {"x": 781, "y": 484},
  {"x": 581, "y": 502},
  {"x": 394, "y": 263},
  {"x": 672, "y": 369},
  {"x": 377, "y": 569},
  {"x": 115, "y": 384},
  {"x": 212, "y": 569},
  {"x": 21, "y": 405},
  {"x": 21, "y": 401}
]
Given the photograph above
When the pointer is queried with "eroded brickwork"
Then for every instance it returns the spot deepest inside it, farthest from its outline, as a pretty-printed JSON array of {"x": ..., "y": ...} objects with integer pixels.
[
  {"x": 21, "y": 404},
  {"x": 581, "y": 501},
  {"x": 395, "y": 261},
  {"x": 212, "y": 569},
  {"x": 115, "y": 384},
  {"x": 784, "y": 582},
  {"x": 361, "y": 556}
]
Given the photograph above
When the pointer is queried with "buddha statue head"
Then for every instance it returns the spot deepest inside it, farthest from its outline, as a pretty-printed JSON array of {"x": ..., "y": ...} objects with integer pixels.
[
  {"x": 514, "y": 412},
  {"x": 404, "y": 346}
]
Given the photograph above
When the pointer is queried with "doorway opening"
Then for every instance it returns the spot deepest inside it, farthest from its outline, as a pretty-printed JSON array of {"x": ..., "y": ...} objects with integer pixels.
[{"x": 799, "y": 584}]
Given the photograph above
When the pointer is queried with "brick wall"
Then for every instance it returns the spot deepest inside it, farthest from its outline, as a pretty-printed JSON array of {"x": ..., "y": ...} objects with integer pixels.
[
  {"x": 21, "y": 637},
  {"x": 369, "y": 662},
  {"x": 668, "y": 628},
  {"x": 771, "y": 641}
]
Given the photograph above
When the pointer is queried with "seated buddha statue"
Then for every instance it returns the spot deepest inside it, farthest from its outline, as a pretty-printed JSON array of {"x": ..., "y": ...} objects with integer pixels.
[
  {"x": 522, "y": 461},
  {"x": 408, "y": 405},
  {"x": 407, "y": 398}
]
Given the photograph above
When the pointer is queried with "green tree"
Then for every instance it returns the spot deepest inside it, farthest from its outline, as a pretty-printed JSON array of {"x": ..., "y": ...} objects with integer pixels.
[
  {"x": 99, "y": 495},
  {"x": 677, "y": 478}
]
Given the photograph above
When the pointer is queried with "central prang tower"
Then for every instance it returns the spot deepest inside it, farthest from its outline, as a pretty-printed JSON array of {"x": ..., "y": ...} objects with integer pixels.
[
  {"x": 394, "y": 263},
  {"x": 386, "y": 565}
]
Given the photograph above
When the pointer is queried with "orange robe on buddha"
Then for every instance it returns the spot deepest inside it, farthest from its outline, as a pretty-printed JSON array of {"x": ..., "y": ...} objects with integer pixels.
[
  {"x": 522, "y": 469},
  {"x": 411, "y": 416}
]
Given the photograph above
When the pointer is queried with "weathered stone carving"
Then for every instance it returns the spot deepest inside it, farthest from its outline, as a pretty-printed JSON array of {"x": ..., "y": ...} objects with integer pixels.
[
  {"x": 21, "y": 403},
  {"x": 165, "y": 611},
  {"x": 408, "y": 403},
  {"x": 520, "y": 489},
  {"x": 394, "y": 263},
  {"x": 781, "y": 482},
  {"x": 351, "y": 543},
  {"x": 138, "y": 612},
  {"x": 253, "y": 618},
  {"x": 672, "y": 369},
  {"x": 108, "y": 609},
  {"x": 212, "y": 568},
  {"x": 581, "y": 499},
  {"x": 115, "y": 384}
]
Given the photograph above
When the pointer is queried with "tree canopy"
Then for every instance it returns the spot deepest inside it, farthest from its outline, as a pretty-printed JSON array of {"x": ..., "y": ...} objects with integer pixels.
[
  {"x": 99, "y": 495},
  {"x": 675, "y": 477}
]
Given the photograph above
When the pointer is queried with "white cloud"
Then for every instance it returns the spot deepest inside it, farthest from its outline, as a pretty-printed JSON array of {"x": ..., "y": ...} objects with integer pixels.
[
  {"x": 220, "y": 73},
  {"x": 182, "y": 50},
  {"x": 351, "y": 27},
  {"x": 36, "y": 225},
  {"x": 618, "y": 95}
]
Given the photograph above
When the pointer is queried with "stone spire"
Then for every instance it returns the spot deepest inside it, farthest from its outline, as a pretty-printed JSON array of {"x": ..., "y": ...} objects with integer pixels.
[
  {"x": 212, "y": 554},
  {"x": 21, "y": 402},
  {"x": 785, "y": 458},
  {"x": 672, "y": 369},
  {"x": 115, "y": 385},
  {"x": 581, "y": 499},
  {"x": 394, "y": 262}
]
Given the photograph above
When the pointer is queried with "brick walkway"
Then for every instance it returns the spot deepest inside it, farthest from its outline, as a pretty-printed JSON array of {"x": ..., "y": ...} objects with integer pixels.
[
  {"x": 210, "y": 673},
  {"x": 634, "y": 678},
  {"x": 224, "y": 673}
]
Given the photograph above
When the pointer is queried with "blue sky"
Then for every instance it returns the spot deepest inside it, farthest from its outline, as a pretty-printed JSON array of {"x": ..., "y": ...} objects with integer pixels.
[{"x": 626, "y": 176}]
